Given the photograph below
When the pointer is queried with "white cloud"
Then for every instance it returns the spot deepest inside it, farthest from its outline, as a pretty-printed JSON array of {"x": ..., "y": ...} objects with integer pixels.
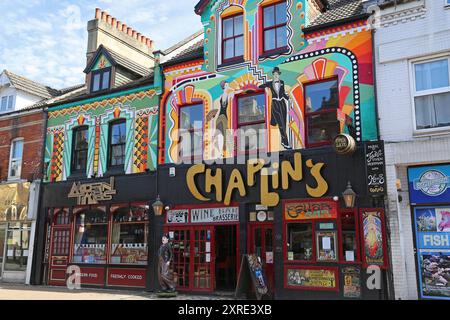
[{"x": 45, "y": 40}]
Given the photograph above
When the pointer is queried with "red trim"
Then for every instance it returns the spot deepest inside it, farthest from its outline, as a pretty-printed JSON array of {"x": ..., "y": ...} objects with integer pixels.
[
  {"x": 273, "y": 27},
  {"x": 308, "y": 114},
  {"x": 384, "y": 237},
  {"x": 357, "y": 236},
  {"x": 334, "y": 269}
]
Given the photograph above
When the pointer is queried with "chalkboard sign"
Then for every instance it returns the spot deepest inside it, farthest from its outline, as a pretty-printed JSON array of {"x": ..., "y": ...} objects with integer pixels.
[
  {"x": 375, "y": 168},
  {"x": 251, "y": 273}
]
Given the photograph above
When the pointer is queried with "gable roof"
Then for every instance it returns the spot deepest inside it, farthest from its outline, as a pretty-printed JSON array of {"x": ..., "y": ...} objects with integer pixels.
[
  {"x": 337, "y": 12},
  {"x": 183, "y": 42},
  {"x": 30, "y": 86},
  {"x": 117, "y": 60}
]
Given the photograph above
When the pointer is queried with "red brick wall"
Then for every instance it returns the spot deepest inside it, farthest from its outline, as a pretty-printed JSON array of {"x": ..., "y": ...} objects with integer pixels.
[{"x": 30, "y": 127}]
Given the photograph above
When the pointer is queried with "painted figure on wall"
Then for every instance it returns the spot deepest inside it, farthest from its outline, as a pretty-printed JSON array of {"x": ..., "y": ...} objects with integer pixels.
[{"x": 280, "y": 105}]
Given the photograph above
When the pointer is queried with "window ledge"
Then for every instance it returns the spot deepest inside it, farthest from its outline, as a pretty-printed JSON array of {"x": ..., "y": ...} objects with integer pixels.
[
  {"x": 274, "y": 53},
  {"x": 230, "y": 63},
  {"x": 431, "y": 132}
]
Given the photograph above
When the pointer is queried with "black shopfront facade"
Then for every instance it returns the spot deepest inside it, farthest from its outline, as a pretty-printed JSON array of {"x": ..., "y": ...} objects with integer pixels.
[
  {"x": 104, "y": 226},
  {"x": 310, "y": 244}
]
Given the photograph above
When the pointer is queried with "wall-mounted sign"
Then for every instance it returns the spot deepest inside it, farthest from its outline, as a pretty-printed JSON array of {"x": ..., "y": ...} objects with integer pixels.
[
  {"x": 308, "y": 210},
  {"x": 287, "y": 172},
  {"x": 429, "y": 184},
  {"x": 374, "y": 237},
  {"x": 432, "y": 227},
  {"x": 14, "y": 201},
  {"x": 344, "y": 144},
  {"x": 375, "y": 168},
  {"x": 177, "y": 216},
  {"x": 215, "y": 215},
  {"x": 309, "y": 278},
  {"x": 92, "y": 193},
  {"x": 351, "y": 282}
]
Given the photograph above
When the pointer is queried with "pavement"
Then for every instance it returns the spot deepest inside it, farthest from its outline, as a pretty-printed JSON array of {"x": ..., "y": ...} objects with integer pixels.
[{"x": 24, "y": 292}]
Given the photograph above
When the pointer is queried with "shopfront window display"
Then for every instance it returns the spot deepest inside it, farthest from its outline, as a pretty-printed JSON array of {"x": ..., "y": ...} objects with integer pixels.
[
  {"x": 17, "y": 246},
  {"x": 129, "y": 235},
  {"x": 91, "y": 235}
]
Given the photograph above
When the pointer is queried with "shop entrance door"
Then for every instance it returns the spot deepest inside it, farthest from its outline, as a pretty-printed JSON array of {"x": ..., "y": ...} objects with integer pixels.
[
  {"x": 59, "y": 256},
  {"x": 193, "y": 258},
  {"x": 2, "y": 247},
  {"x": 226, "y": 260},
  {"x": 260, "y": 243}
]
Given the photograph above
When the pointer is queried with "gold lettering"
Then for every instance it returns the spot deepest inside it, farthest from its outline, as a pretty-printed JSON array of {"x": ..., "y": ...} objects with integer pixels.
[
  {"x": 253, "y": 167},
  {"x": 236, "y": 182},
  {"x": 275, "y": 176},
  {"x": 287, "y": 171},
  {"x": 216, "y": 181},
  {"x": 322, "y": 185},
  {"x": 190, "y": 177},
  {"x": 269, "y": 199}
]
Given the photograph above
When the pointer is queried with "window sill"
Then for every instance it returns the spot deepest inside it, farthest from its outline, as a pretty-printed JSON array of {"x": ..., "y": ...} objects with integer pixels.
[
  {"x": 431, "y": 132},
  {"x": 231, "y": 62},
  {"x": 274, "y": 53}
]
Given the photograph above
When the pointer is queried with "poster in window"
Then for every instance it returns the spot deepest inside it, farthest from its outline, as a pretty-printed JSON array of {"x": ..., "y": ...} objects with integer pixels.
[
  {"x": 326, "y": 246},
  {"x": 351, "y": 277},
  {"x": 434, "y": 274},
  {"x": 312, "y": 278},
  {"x": 373, "y": 236}
]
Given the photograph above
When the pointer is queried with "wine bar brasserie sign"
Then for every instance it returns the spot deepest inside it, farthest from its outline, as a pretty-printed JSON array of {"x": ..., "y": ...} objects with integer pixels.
[{"x": 375, "y": 168}]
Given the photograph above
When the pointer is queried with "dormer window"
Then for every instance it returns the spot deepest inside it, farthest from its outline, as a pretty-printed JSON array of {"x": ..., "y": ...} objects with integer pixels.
[
  {"x": 7, "y": 103},
  {"x": 100, "y": 80}
]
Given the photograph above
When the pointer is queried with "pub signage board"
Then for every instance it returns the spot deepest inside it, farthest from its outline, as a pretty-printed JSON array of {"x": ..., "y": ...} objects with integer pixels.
[
  {"x": 375, "y": 168},
  {"x": 215, "y": 215}
]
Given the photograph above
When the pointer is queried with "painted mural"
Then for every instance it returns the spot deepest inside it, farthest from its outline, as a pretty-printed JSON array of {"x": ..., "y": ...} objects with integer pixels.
[
  {"x": 138, "y": 108},
  {"x": 319, "y": 85}
]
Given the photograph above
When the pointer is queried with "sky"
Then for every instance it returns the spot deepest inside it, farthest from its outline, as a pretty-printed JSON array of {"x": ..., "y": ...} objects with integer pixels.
[{"x": 46, "y": 40}]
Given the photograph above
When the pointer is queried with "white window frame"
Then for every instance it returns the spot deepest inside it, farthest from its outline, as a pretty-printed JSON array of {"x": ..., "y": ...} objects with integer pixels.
[
  {"x": 12, "y": 99},
  {"x": 414, "y": 94},
  {"x": 11, "y": 159},
  {"x": 447, "y": 4}
]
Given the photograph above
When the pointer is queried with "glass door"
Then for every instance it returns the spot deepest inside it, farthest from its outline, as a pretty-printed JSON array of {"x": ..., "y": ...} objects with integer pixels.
[
  {"x": 181, "y": 246},
  {"x": 261, "y": 244},
  {"x": 203, "y": 261},
  {"x": 2, "y": 247}
]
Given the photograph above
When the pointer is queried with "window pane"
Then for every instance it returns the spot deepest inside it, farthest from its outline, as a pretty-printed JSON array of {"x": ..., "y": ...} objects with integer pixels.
[
  {"x": 118, "y": 155},
  {"x": 269, "y": 16},
  {"x": 251, "y": 108},
  {"x": 433, "y": 111},
  {"x": 17, "y": 247},
  {"x": 17, "y": 149},
  {"x": 81, "y": 139},
  {"x": 10, "y": 102},
  {"x": 4, "y": 103},
  {"x": 323, "y": 127},
  {"x": 238, "y": 25},
  {"x": 322, "y": 96},
  {"x": 96, "y": 82},
  {"x": 281, "y": 37},
  {"x": 269, "y": 40},
  {"x": 15, "y": 168},
  {"x": 349, "y": 237},
  {"x": 105, "y": 83},
  {"x": 191, "y": 117},
  {"x": 252, "y": 137},
  {"x": 91, "y": 232},
  {"x": 239, "y": 47},
  {"x": 228, "y": 28},
  {"x": 229, "y": 49},
  {"x": 300, "y": 241},
  {"x": 281, "y": 13},
  {"x": 118, "y": 132},
  {"x": 432, "y": 75}
]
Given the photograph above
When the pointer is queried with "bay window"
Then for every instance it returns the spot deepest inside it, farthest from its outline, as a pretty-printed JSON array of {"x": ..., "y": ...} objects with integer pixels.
[{"x": 431, "y": 94}]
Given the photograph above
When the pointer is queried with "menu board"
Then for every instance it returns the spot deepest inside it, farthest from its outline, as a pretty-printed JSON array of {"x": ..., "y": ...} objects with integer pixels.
[{"x": 375, "y": 168}]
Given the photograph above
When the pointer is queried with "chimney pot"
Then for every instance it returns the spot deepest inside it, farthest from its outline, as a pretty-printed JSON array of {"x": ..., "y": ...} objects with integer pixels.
[
  {"x": 134, "y": 34},
  {"x": 114, "y": 22},
  {"x": 98, "y": 13},
  {"x": 130, "y": 31},
  {"x": 104, "y": 15},
  {"x": 124, "y": 27},
  {"x": 108, "y": 19},
  {"x": 119, "y": 25}
]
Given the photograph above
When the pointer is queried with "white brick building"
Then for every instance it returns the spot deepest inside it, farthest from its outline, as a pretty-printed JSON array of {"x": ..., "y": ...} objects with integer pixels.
[{"x": 412, "y": 53}]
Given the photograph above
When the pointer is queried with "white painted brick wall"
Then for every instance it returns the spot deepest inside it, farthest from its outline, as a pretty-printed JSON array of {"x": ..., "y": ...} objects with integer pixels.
[{"x": 394, "y": 47}]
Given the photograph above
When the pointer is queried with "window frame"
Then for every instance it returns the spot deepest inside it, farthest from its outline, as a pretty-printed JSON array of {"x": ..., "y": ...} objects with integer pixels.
[
  {"x": 101, "y": 72},
  {"x": 238, "y": 124},
  {"x": 74, "y": 132},
  {"x": 192, "y": 157},
  {"x": 276, "y": 50},
  {"x": 223, "y": 40},
  {"x": 110, "y": 145},
  {"x": 308, "y": 114},
  {"x": 11, "y": 159},
  {"x": 429, "y": 92},
  {"x": 341, "y": 214},
  {"x": 313, "y": 233}
]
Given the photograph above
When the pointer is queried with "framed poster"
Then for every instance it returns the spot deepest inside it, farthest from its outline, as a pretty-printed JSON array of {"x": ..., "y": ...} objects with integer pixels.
[
  {"x": 351, "y": 282},
  {"x": 311, "y": 278},
  {"x": 432, "y": 228},
  {"x": 373, "y": 237}
]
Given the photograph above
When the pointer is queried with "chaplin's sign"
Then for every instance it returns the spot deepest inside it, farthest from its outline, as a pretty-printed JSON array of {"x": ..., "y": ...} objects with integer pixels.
[{"x": 92, "y": 193}]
